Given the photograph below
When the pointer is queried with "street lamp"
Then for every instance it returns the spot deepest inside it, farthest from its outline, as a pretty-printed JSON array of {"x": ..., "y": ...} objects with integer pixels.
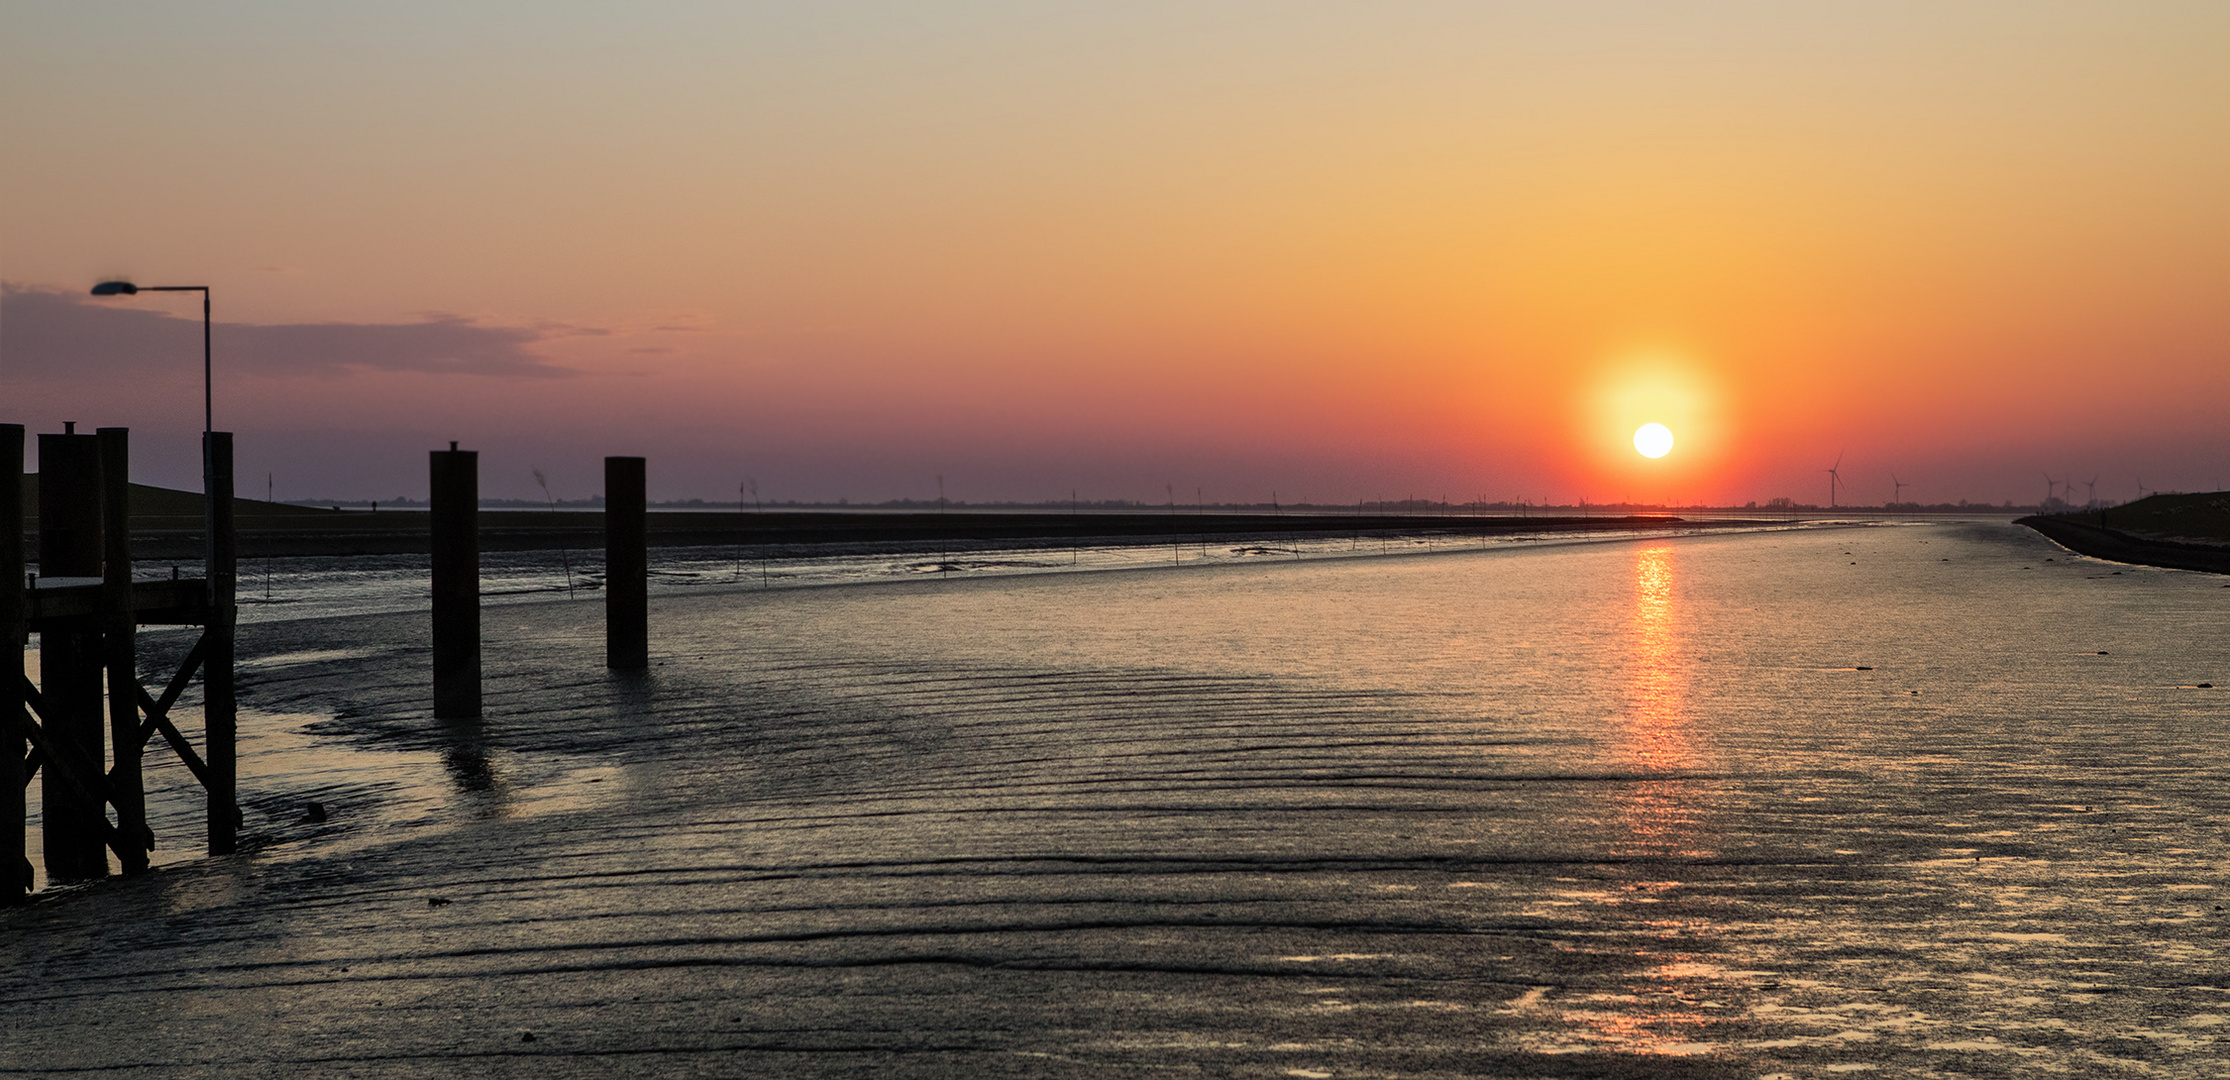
[
  {"x": 220, "y": 572},
  {"x": 126, "y": 288}
]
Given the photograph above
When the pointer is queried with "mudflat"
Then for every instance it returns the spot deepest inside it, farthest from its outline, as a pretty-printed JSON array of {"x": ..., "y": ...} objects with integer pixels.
[{"x": 1538, "y": 813}]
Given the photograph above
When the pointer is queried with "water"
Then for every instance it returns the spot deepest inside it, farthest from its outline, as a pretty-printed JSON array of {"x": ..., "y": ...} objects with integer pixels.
[
  {"x": 1923, "y": 800},
  {"x": 312, "y": 587},
  {"x": 277, "y": 749}
]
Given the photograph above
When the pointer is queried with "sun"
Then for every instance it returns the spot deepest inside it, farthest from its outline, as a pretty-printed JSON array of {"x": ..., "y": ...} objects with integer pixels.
[{"x": 1653, "y": 440}]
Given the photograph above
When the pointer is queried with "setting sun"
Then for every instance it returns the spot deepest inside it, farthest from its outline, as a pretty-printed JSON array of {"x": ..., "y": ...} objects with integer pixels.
[{"x": 1653, "y": 440}]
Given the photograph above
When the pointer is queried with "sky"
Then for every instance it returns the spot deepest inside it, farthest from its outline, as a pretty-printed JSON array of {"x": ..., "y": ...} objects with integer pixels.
[{"x": 1331, "y": 251}]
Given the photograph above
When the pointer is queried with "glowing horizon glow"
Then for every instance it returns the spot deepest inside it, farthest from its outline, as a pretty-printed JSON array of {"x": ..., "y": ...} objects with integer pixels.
[
  {"x": 1653, "y": 440},
  {"x": 1328, "y": 251}
]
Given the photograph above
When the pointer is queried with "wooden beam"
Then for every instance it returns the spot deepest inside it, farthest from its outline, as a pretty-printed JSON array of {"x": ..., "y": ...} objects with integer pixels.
[
  {"x": 120, "y": 649},
  {"x": 166, "y": 603},
  {"x": 455, "y": 482},
  {"x": 220, "y": 705},
  {"x": 178, "y": 684},
  {"x": 626, "y": 565},
  {"x": 60, "y": 768},
  {"x": 158, "y": 719},
  {"x": 32, "y": 698},
  {"x": 15, "y": 770},
  {"x": 71, "y": 661}
]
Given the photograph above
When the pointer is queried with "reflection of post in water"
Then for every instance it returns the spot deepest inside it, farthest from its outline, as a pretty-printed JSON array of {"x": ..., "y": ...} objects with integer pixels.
[
  {"x": 468, "y": 766},
  {"x": 1656, "y": 736},
  {"x": 479, "y": 777}
]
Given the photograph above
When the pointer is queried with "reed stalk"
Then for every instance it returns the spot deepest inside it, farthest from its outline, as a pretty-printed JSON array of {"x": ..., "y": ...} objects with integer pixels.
[{"x": 565, "y": 555}]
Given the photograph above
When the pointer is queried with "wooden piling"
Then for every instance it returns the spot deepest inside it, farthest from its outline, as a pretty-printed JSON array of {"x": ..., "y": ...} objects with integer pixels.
[
  {"x": 626, "y": 565},
  {"x": 456, "y": 574},
  {"x": 221, "y": 570},
  {"x": 72, "y": 817},
  {"x": 119, "y": 651},
  {"x": 15, "y": 867}
]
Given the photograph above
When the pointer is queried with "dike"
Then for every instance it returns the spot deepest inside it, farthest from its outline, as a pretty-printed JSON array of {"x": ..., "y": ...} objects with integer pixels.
[{"x": 2099, "y": 542}]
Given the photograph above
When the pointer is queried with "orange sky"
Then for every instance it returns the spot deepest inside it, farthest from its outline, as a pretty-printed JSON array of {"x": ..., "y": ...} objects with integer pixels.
[{"x": 1336, "y": 251}]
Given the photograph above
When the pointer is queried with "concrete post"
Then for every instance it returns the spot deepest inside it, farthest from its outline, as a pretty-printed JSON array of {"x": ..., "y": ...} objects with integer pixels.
[
  {"x": 456, "y": 572},
  {"x": 626, "y": 565}
]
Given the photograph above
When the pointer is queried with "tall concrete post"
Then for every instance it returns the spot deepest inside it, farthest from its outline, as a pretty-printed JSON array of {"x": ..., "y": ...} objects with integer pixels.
[
  {"x": 456, "y": 543},
  {"x": 626, "y": 565},
  {"x": 119, "y": 650},
  {"x": 220, "y": 701},
  {"x": 72, "y": 815},
  {"x": 15, "y": 869}
]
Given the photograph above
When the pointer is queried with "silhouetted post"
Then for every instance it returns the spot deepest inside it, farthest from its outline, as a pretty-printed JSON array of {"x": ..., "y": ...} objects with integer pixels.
[
  {"x": 220, "y": 703},
  {"x": 456, "y": 525},
  {"x": 626, "y": 564},
  {"x": 119, "y": 649},
  {"x": 70, "y": 660},
  {"x": 15, "y": 869}
]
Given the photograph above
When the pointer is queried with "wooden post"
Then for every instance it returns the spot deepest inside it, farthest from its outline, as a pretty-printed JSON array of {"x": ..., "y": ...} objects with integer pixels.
[
  {"x": 626, "y": 565},
  {"x": 15, "y": 868},
  {"x": 220, "y": 709},
  {"x": 119, "y": 650},
  {"x": 456, "y": 572},
  {"x": 72, "y": 818}
]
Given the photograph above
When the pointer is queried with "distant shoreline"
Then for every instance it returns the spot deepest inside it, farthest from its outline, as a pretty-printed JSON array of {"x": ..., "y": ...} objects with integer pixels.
[
  {"x": 776, "y": 532},
  {"x": 2100, "y": 542}
]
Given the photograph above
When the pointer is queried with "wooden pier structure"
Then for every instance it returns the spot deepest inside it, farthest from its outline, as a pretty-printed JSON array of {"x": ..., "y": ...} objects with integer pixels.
[{"x": 87, "y": 611}]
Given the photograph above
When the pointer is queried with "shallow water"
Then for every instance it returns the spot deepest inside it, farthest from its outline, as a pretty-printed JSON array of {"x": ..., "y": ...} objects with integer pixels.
[
  {"x": 275, "y": 589},
  {"x": 276, "y": 749},
  {"x": 1935, "y": 800}
]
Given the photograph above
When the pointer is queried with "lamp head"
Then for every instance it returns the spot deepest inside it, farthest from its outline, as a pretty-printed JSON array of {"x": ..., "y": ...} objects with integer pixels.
[{"x": 115, "y": 288}]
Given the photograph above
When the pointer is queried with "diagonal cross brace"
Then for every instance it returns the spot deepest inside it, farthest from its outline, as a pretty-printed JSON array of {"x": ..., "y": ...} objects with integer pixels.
[
  {"x": 96, "y": 789},
  {"x": 33, "y": 698},
  {"x": 35, "y": 704},
  {"x": 157, "y": 721},
  {"x": 178, "y": 682},
  {"x": 158, "y": 714}
]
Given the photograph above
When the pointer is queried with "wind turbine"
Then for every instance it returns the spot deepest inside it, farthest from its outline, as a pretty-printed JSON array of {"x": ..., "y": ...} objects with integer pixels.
[
  {"x": 1899, "y": 495},
  {"x": 2140, "y": 487},
  {"x": 2050, "y": 486},
  {"x": 2092, "y": 499},
  {"x": 1833, "y": 478}
]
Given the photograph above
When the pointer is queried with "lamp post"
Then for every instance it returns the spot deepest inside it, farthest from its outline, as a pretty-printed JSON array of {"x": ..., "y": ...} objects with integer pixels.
[
  {"x": 220, "y": 552},
  {"x": 126, "y": 288}
]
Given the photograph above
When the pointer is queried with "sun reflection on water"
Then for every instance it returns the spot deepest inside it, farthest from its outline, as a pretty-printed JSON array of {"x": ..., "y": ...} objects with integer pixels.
[
  {"x": 1656, "y": 735},
  {"x": 1655, "y": 816}
]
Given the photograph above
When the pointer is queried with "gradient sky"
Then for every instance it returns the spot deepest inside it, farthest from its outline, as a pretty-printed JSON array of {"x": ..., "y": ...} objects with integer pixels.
[{"x": 1336, "y": 251}]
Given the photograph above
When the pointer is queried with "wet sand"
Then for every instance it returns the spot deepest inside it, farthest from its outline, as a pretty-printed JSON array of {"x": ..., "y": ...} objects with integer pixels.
[{"x": 916, "y": 830}]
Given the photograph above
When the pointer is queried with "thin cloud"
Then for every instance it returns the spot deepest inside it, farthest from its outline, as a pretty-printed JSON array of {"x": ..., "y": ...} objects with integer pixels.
[
  {"x": 551, "y": 329},
  {"x": 47, "y": 333}
]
